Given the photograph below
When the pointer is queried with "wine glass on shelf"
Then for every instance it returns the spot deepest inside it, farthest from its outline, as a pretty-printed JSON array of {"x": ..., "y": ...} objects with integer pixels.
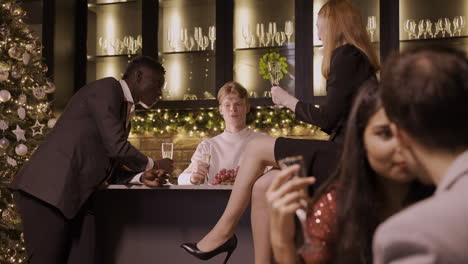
[
  {"x": 204, "y": 42},
  {"x": 184, "y": 37},
  {"x": 371, "y": 26},
  {"x": 167, "y": 150},
  {"x": 261, "y": 35},
  {"x": 212, "y": 35},
  {"x": 440, "y": 27},
  {"x": 407, "y": 27},
  {"x": 456, "y": 25},
  {"x": 448, "y": 26},
  {"x": 462, "y": 24},
  {"x": 428, "y": 30},
  {"x": 288, "y": 29},
  {"x": 280, "y": 38},
  {"x": 191, "y": 43},
  {"x": 246, "y": 34},
  {"x": 421, "y": 29}
]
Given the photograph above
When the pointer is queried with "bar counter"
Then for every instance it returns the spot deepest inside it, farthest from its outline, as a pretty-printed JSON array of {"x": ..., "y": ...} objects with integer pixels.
[{"x": 138, "y": 224}]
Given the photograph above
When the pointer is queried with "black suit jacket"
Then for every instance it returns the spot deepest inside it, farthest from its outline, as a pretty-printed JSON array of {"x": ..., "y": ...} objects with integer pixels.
[
  {"x": 86, "y": 144},
  {"x": 349, "y": 69}
]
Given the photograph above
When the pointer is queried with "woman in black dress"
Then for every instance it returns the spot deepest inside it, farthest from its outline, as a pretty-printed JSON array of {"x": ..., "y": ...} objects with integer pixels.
[{"x": 349, "y": 60}]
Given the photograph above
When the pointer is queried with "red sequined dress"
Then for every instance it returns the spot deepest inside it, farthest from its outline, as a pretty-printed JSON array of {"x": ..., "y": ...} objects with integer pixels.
[{"x": 321, "y": 219}]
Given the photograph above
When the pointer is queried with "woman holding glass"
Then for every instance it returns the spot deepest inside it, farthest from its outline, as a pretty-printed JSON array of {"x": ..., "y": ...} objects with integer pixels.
[
  {"x": 349, "y": 60},
  {"x": 372, "y": 182},
  {"x": 216, "y": 159}
]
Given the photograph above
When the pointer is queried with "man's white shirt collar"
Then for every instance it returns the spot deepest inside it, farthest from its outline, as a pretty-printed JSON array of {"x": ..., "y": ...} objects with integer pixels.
[{"x": 126, "y": 91}]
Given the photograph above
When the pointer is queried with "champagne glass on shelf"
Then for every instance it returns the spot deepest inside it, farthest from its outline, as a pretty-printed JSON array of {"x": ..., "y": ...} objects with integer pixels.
[
  {"x": 371, "y": 26},
  {"x": 167, "y": 150},
  {"x": 407, "y": 27},
  {"x": 261, "y": 35},
  {"x": 440, "y": 27},
  {"x": 204, "y": 42},
  {"x": 421, "y": 29},
  {"x": 448, "y": 26},
  {"x": 212, "y": 35},
  {"x": 288, "y": 29},
  {"x": 247, "y": 35},
  {"x": 184, "y": 37},
  {"x": 461, "y": 24},
  {"x": 413, "y": 26},
  {"x": 191, "y": 43},
  {"x": 456, "y": 25},
  {"x": 280, "y": 38},
  {"x": 428, "y": 24}
]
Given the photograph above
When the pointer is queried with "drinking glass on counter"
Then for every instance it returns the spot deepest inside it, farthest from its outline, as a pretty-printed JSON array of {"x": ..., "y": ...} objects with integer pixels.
[{"x": 167, "y": 150}]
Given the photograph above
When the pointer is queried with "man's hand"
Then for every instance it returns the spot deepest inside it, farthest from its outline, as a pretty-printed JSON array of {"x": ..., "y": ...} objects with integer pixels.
[
  {"x": 154, "y": 178},
  {"x": 199, "y": 173},
  {"x": 166, "y": 165}
]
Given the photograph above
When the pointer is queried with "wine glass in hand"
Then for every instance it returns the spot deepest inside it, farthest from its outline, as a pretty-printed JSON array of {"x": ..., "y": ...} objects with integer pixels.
[{"x": 205, "y": 150}]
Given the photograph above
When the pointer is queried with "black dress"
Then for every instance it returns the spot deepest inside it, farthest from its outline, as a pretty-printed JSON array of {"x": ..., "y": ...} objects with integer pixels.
[{"x": 349, "y": 69}]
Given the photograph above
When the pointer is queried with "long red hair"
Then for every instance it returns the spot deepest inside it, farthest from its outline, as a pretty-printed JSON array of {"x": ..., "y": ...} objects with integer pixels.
[{"x": 344, "y": 24}]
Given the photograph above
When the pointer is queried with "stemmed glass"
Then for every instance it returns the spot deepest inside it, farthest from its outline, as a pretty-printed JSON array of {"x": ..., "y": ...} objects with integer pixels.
[
  {"x": 204, "y": 42},
  {"x": 280, "y": 38},
  {"x": 288, "y": 29},
  {"x": 304, "y": 241},
  {"x": 184, "y": 37},
  {"x": 274, "y": 69},
  {"x": 371, "y": 26},
  {"x": 448, "y": 26},
  {"x": 440, "y": 27},
  {"x": 167, "y": 150},
  {"x": 421, "y": 29},
  {"x": 407, "y": 28},
  {"x": 212, "y": 35},
  {"x": 247, "y": 35},
  {"x": 261, "y": 34},
  {"x": 428, "y": 24},
  {"x": 205, "y": 150},
  {"x": 171, "y": 39},
  {"x": 462, "y": 21}
]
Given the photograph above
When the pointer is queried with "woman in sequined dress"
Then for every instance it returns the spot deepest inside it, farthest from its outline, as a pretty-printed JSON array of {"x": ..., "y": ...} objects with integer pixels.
[{"x": 371, "y": 183}]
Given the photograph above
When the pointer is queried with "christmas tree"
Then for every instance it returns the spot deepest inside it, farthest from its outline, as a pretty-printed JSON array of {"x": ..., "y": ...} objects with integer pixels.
[{"x": 25, "y": 116}]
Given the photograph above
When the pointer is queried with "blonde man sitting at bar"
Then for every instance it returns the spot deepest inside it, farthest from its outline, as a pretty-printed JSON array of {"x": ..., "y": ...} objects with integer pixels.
[{"x": 224, "y": 149}]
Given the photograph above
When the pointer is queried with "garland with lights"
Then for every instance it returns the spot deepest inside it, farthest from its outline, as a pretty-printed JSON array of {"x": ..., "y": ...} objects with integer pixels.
[
  {"x": 208, "y": 122},
  {"x": 25, "y": 116}
]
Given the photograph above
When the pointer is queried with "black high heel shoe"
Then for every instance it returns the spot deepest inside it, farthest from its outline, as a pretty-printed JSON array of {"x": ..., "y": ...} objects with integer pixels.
[{"x": 229, "y": 246}]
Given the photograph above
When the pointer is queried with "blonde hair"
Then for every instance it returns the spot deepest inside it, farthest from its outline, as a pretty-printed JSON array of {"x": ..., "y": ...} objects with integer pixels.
[
  {"x": 233, "y": 88},
  {"x": 344, "y": 24}
]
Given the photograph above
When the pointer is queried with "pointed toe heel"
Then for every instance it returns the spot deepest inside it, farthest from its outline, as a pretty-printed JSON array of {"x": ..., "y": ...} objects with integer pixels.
[{"x": 229, "y": 246}]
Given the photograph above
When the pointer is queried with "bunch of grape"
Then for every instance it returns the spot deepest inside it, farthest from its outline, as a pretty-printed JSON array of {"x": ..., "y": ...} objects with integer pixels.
[{"x": 225, "y": 177}]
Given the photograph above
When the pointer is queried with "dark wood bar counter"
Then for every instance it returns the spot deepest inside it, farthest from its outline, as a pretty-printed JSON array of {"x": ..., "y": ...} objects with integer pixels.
[{"x": 137, "y": 224}]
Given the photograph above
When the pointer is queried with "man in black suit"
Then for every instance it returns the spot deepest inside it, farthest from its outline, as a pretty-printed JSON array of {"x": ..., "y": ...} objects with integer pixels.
[{"x": 53, "y": 189}]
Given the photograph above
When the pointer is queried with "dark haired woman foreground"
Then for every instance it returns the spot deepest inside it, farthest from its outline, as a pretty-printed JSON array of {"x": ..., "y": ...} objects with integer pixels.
[{"x": 372, "y": 183}]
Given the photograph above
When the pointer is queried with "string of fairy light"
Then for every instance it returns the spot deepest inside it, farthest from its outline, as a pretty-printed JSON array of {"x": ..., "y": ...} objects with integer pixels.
[{"x": 208, "y": 122}]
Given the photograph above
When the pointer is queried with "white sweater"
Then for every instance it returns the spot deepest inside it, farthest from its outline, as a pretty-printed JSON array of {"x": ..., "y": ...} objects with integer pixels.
[{"x": 226, "y": 150}]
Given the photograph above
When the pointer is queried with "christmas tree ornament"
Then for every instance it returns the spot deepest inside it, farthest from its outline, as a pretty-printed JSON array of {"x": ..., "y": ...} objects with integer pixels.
[
  {"x": 39, "y": 92},
  {"x": 50, "y": 87},
  {"x": 21, "y": 150},
  {"x": 5, "y": 96},
  {"x": 7, "y": 214},
  {"x": 3, "y": 125},
  {"x": 30, "y": 47},
  {"x": 4, "y": 71},
  {"x": 19, "y": 133},
  {"x": 37, "y": 128},
  {"x": 4, "y": 143},
  {"x": 21, "y": 113},
  {"x": 51, "y": 122},
  {"x": 11, "y": 161},
  {"x": 15, "y": 74},
  {"x": 26, "y": 58},
  {"x": 15, "y": 53},
  {"x": 22, "y": 99}
]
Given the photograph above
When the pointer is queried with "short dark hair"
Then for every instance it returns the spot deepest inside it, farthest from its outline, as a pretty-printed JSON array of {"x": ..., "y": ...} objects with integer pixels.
[
  {"x": 142, "y": 61},
  {"x": 425, "y": 91}
]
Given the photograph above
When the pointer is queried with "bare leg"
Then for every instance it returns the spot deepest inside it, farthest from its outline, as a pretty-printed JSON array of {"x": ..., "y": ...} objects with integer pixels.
[
  {"x": 260, "y": 218},
  {"x": 258, "y": 154}
]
